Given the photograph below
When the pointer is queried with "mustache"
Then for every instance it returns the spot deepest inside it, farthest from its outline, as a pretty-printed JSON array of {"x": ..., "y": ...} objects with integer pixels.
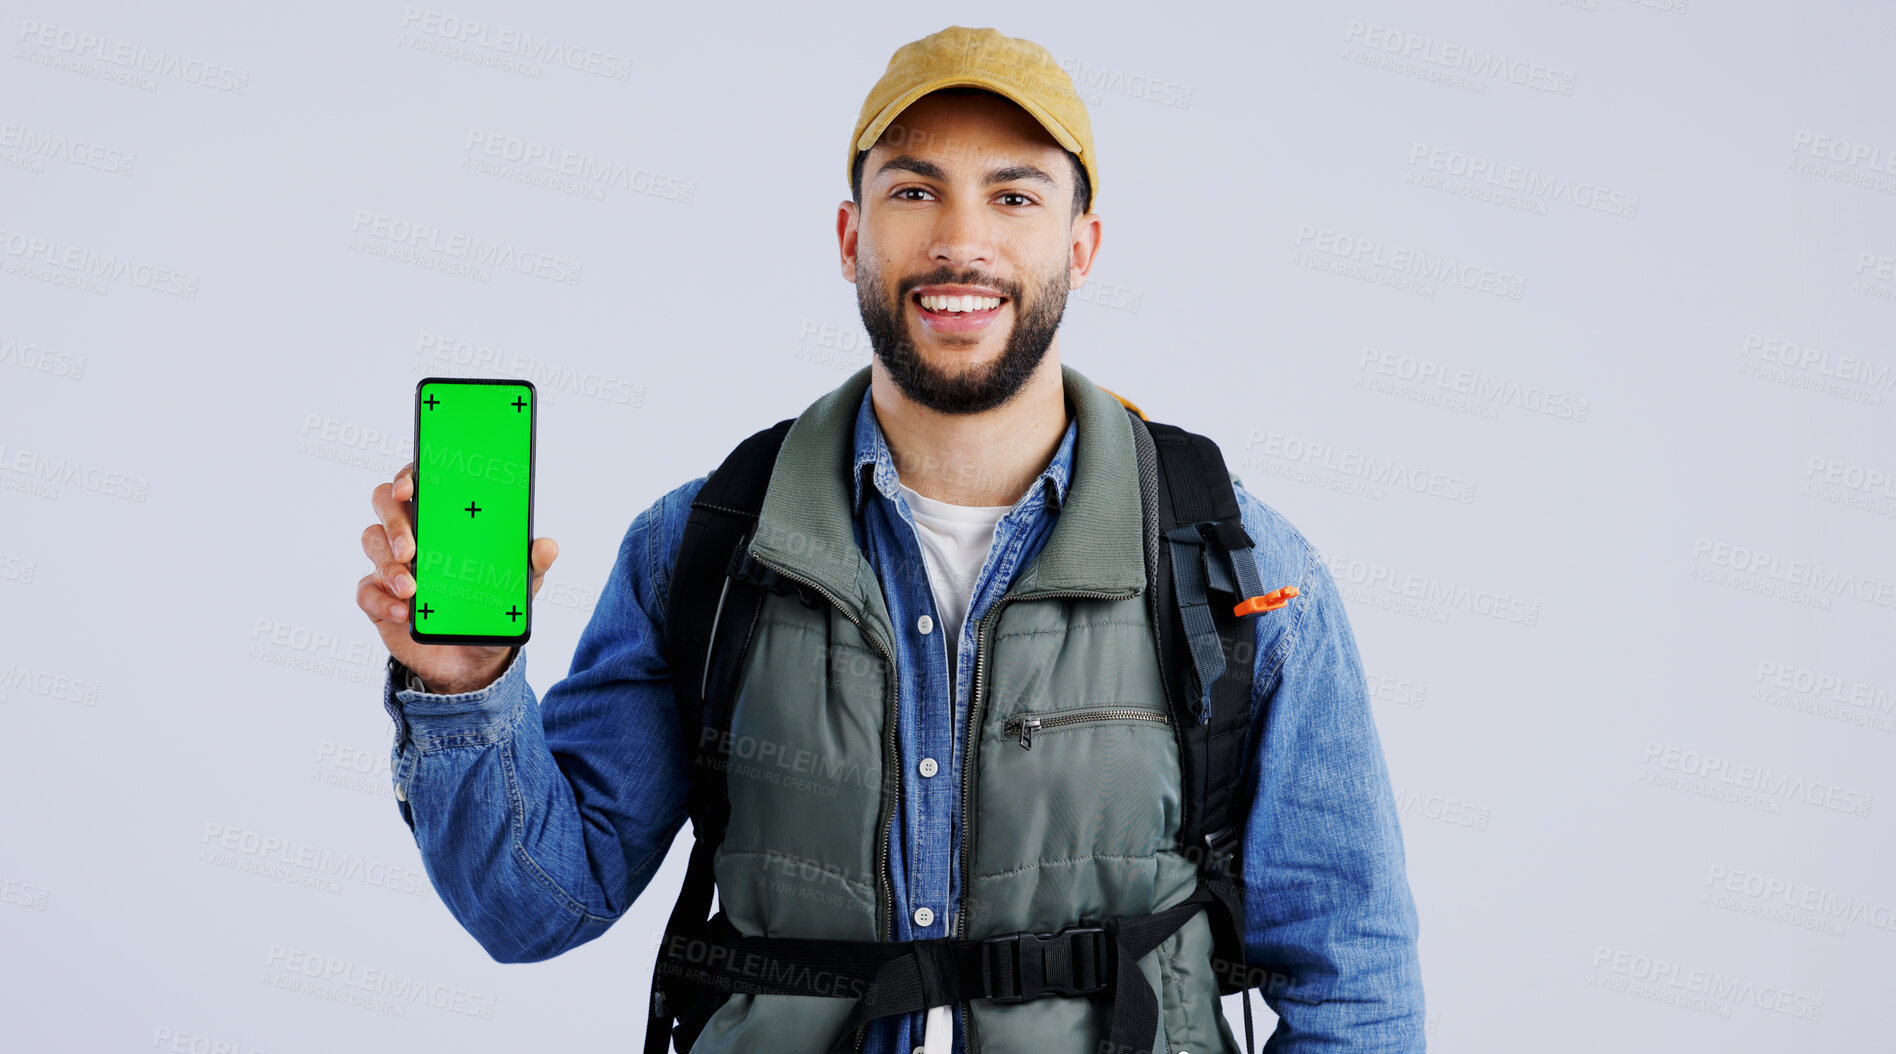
[{"x": 949, "y": 276}]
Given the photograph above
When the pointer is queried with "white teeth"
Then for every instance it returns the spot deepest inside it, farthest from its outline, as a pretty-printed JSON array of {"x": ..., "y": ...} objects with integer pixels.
[{"x": 961, "y": 304}]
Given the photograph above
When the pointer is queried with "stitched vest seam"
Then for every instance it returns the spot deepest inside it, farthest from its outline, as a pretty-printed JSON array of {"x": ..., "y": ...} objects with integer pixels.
[
  {"x": 802, "y": 628},
  {"x": 827, "y": 873},
  {"x": 1070, "y": 627},
  {"x": 1067, "y": 860}
]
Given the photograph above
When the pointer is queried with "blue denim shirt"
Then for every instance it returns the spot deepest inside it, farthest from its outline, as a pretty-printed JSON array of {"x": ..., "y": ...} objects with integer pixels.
[{"x": 539, "y": 825}]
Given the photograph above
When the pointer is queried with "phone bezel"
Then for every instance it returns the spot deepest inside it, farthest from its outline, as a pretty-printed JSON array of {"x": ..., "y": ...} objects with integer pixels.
[{"x": 533, "y": 437}]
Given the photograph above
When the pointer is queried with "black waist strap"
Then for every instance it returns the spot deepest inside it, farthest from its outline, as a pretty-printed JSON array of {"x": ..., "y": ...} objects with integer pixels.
[{"x": 892, "y": 977}]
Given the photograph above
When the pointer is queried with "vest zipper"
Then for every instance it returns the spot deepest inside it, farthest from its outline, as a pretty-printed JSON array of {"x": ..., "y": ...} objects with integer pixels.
[
  {"x": 967, "y": 765},
  {"x": 1024, "y": 726},
  {"x": 885, "y": 900}
]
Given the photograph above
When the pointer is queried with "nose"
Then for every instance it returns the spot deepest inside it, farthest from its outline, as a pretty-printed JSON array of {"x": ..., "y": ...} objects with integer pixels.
[{"x": 963, "y": 237}]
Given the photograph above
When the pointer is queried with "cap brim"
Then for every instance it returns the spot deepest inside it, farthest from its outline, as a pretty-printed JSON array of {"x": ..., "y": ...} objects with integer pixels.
[{"x": 874, "y": 129}]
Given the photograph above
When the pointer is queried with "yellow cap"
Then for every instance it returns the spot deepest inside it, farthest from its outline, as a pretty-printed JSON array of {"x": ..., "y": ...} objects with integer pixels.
[{"x": 958, "y": 56}]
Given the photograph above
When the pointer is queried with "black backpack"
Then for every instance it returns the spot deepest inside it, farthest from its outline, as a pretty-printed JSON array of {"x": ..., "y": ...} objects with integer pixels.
[{"x": 1193, "y": 530}]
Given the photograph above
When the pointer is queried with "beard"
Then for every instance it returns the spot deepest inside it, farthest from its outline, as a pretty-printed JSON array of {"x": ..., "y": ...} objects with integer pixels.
[{"x": 974, "y": 390}]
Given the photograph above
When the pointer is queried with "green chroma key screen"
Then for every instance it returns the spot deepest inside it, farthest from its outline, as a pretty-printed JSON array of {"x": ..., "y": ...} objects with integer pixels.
[{"x": 473, "y": 511}]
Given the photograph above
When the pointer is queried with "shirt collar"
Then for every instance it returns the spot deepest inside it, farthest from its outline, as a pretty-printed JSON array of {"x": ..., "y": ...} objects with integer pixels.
[{"x": 874, "y": 459}]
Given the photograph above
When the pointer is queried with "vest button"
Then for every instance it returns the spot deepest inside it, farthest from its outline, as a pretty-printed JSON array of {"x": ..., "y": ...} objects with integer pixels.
[
  {"x": 928, "y": 767},
  {"x": 925, "y": 624},
  {"x": 924, "y": 917}
]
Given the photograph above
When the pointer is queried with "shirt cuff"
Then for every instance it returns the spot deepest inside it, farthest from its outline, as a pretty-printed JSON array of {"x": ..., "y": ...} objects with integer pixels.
[{"x": 431, "y": 714}]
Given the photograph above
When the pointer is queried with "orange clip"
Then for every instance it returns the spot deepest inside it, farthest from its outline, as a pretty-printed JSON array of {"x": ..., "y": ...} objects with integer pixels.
[{"x": 1270, "y": 601}]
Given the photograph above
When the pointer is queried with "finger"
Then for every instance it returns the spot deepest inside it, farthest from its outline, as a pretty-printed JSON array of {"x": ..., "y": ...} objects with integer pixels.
[
  {"x": 403, "y": 486},
  {"x": 374, "y": 600},
  {"x": 395, "y": 576},
  {"x": 393, "y": 512}
]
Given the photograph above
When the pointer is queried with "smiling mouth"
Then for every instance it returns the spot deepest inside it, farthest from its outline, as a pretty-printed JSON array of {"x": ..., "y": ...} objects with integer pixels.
[
  {"x": 957, "y": 315},
  {"x": 957, "y": 305}
]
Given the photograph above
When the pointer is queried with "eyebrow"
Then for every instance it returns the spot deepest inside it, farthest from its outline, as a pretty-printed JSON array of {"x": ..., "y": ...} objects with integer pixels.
[{"x": 1005, "y": 174}]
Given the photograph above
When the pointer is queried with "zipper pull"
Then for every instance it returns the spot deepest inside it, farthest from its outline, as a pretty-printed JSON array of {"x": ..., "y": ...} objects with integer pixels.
[{"x": 1023, "y": 727}]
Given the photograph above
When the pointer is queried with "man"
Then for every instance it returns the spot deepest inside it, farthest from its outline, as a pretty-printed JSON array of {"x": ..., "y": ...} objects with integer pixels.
[{"x": 964, "y": 462}]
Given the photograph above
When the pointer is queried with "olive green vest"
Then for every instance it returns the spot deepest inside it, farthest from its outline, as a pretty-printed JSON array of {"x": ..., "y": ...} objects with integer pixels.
[{"x": 1082, "y": 824}]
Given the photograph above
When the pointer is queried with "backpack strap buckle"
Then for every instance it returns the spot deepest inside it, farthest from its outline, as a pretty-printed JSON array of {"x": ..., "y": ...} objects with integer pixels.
[
  {"x": 1221, "y": 847},
  {"x": 1017, "y": 967}
]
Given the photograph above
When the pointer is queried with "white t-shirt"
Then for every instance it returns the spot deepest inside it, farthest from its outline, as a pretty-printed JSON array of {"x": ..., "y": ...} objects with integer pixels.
[{"x": 955, "y": 543}]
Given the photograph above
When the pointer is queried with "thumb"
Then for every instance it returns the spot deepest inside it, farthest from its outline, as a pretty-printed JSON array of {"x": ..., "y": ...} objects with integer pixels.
[{"x": 545, "y": 551}]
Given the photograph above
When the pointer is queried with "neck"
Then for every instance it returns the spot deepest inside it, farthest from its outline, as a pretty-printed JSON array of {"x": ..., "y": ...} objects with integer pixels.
[{"x": 989, "y": 458}]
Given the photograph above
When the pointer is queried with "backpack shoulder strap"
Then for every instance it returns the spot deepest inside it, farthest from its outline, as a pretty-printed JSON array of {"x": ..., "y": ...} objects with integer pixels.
[
  {"x": 1205, "y": 588},
  {"x": 708, "y": 621},
  {"x": 704, "y": 608}
]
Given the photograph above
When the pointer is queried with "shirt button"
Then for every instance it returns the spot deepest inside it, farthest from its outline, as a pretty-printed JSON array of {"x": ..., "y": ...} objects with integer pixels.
[
  {"x": 399, "y": 795},
  {"x": 924, "y": 917},
  {"x": 925, "y": 624},
  {"x": 928, "y": 766}
]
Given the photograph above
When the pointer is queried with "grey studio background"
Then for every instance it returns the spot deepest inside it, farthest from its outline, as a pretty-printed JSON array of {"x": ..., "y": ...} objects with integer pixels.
[{"x": 1563, "y": 329}]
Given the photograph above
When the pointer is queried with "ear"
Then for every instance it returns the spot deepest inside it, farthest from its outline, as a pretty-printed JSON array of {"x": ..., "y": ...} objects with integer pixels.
[
  {"x": 847, "y": 218},
  {"x": 1083, "y": 249}
]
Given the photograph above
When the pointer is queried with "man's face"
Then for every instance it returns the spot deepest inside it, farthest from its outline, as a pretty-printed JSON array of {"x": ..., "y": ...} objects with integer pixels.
[{"x": 964, "y": 197}]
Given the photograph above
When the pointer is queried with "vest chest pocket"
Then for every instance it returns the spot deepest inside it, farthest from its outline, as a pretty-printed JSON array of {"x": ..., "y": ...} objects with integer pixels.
[
  {"x": 1077, "y": 804},
  {"x": 1023, "y": 727}
]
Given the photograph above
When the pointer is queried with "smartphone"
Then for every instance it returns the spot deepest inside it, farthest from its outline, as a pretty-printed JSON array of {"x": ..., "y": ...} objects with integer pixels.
[{"x": 473, "y": 511}]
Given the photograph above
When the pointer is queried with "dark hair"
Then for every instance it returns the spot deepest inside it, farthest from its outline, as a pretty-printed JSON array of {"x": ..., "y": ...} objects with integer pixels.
[{"x": 1082, "y": 187}]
